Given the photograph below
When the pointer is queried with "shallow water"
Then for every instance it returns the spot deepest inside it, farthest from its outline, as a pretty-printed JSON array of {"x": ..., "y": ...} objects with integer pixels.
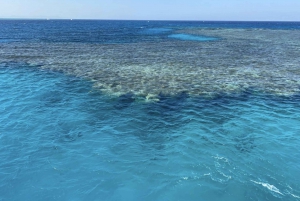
[
  {"x": 61, "y": 138},
  {"x": 198, "y": 59},
  {"x": 192, "y": 37}
]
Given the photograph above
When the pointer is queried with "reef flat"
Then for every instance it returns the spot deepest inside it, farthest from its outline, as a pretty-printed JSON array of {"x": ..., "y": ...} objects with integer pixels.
[{"x": 263, "y": 60}]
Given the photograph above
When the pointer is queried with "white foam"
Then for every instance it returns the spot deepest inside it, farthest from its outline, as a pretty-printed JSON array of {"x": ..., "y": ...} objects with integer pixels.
[
  {"x": 295, "y": 196},
  {"x": 269, "y": 186}
]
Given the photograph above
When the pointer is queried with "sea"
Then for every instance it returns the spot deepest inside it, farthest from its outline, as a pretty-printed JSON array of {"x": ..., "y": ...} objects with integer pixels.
[{"x": 105, "y": 110}]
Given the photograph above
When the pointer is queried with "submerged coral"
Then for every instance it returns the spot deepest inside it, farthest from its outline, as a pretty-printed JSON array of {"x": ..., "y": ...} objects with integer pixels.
[{"x": 260, "y": 59}]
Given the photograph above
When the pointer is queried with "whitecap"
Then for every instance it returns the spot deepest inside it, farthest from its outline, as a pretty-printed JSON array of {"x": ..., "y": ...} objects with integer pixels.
[
  {"x": 295, "y": 196},
  {"x": 269, "y": 186}
]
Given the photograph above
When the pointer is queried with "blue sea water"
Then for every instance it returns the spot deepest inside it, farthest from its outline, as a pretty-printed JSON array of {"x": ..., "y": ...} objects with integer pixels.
[{"x": 63, "y": 138}]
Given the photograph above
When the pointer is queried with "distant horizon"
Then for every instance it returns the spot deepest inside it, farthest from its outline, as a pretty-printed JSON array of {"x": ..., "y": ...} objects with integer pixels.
[
  {"x": 167, "y": 10},
  {"x": 178, "y": 20}
]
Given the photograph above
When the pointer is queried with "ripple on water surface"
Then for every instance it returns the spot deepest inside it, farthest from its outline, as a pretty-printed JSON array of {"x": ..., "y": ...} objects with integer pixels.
[{"x": 60, "y": 139}]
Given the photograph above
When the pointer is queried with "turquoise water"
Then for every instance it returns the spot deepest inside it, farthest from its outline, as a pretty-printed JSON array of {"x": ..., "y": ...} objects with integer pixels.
[
  {"x": 138, "y": 110},
  {"x": 191, "y": 37},
  {"x": 61, "y": 140}
]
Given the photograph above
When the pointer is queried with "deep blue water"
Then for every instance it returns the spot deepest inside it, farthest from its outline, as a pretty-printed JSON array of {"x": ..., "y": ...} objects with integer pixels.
[
  {"x": 95, "y": 31},
  {"x": 63, "y": 139}
]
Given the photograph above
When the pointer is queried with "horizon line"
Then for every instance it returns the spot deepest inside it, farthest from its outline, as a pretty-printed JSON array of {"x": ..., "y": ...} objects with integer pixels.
[{"x": 185, "y": 20}]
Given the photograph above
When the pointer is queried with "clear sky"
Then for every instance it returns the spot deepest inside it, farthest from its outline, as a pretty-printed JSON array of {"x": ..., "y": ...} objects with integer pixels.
[{"x": 273, "y": 10}]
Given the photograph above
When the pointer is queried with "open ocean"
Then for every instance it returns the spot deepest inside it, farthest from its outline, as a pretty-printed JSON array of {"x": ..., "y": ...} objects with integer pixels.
[{"x": 149, "y": 110}]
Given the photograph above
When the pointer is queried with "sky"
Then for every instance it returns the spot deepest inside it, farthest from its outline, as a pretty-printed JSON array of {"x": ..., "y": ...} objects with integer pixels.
[{"x": 239, "y": 10}]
